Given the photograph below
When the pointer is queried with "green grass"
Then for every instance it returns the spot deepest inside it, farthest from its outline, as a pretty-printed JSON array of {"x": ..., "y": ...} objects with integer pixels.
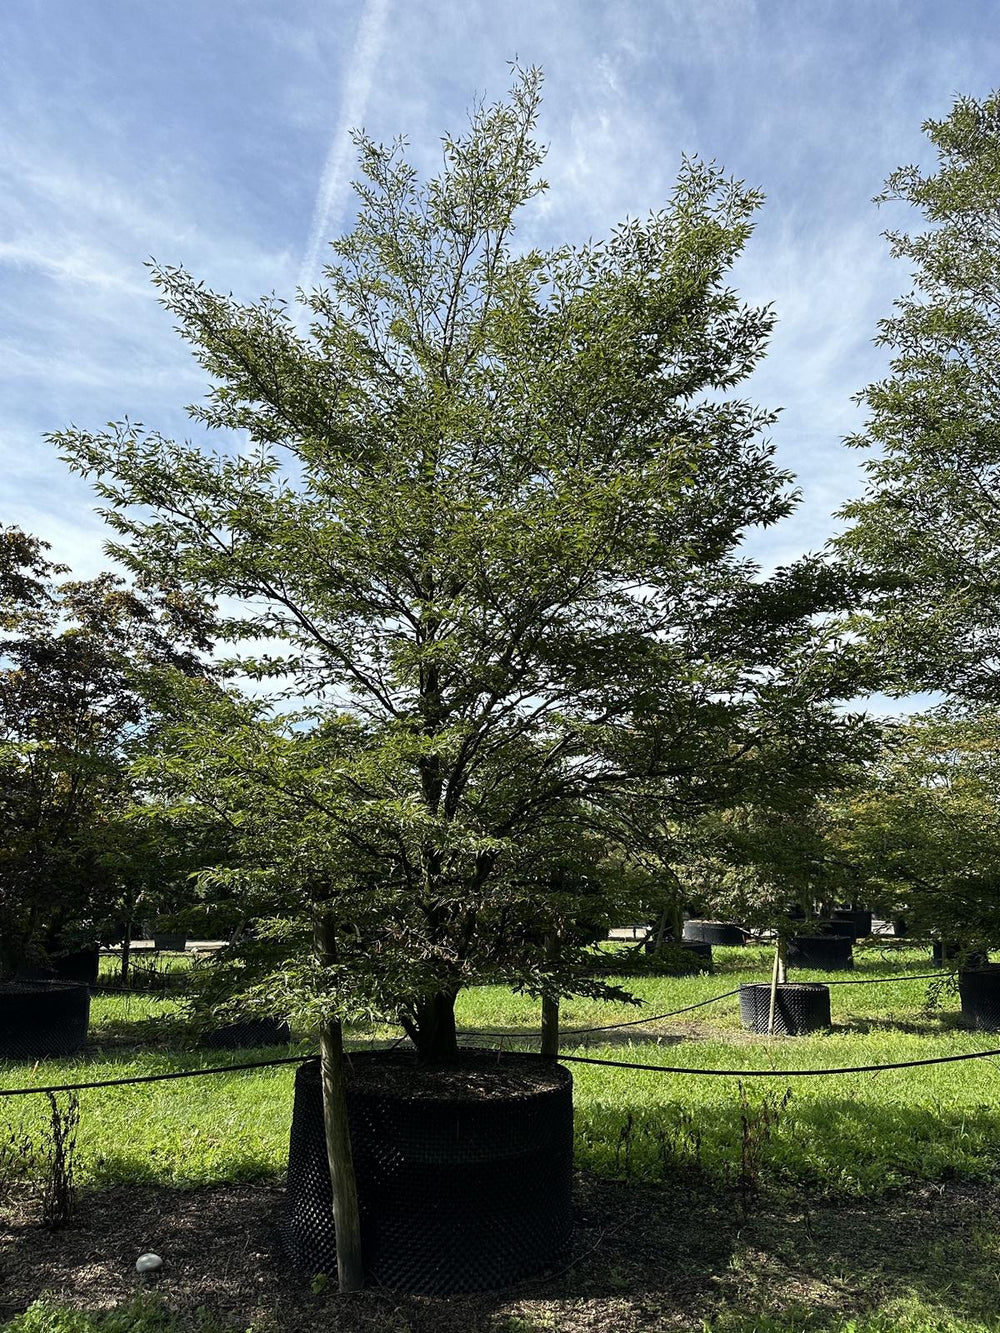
[
  {"x": 854, "y": 1135},
  {"x": 145, "y": 1314}
]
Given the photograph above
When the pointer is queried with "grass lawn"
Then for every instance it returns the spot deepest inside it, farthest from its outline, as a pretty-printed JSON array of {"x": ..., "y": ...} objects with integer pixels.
[{"x": 851, "y": 1204}]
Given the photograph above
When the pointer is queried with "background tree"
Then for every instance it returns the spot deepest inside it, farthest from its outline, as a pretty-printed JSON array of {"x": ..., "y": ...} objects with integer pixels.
[
  {"x": 490, "y": 506},
  {"x": 78, "y": 661},
  {"x": 928, "y": 523},
  {"x": 924, "y": 830}
]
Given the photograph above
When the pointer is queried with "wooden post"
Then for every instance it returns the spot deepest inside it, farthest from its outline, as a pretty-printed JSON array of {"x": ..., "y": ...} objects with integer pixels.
[
  {"x": 550, "y": 1008},
  {"x": 346, "y": 1219},
  {"x": 774, "y": 986},
  {"x": 126, "y": 953}
]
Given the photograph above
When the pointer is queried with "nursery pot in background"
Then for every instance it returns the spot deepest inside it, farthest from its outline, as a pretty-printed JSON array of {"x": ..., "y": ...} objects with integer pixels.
[
  {"x": 948, "y": 951},
  {"x": 80, "y": 965},
  {"x": 464, "y": 1170},
  {"x": 170, "y": 941},
  {"x": 799, "y": 1006},
  {"x": 859, "y": 917},
  {"x": 41, "y": 1019},
  {"x": 979, "y": 989},
  {"x": 825, "y": 953},
  {"x": 714, "y": 932}
]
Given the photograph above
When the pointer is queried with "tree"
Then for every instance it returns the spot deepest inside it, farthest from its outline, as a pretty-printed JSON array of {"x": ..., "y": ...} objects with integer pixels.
[
  {"x": 490, "y": 507},
  {"x": 924, "y": 830},
  {"x": 77, "y": 662},
  {"x": 928, "y": 523}
]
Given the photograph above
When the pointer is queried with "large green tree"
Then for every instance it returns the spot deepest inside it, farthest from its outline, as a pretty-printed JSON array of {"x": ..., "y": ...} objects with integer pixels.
[
  {"x": 928, "y": 523},
  {"x": 490, "y": 504}
]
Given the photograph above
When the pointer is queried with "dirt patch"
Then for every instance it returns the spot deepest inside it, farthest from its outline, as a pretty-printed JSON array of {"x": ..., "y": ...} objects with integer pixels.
[{"x": 645, "y": 1258}]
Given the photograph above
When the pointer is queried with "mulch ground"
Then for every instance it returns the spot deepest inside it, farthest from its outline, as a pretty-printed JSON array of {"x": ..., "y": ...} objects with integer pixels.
[{"x": 646, "y": 1257}]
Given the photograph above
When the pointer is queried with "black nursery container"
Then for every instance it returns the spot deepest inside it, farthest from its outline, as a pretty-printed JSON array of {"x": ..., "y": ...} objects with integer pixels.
[
  {"x": 859, "y": 917},
  {"x": 248, "y": 1032},
  {"x": 713, "y": 932},
  {"x": 42, "y": 1019},
  {"x": 457, "y": 1191},
  {"x": 81, "y": 965},
  {"x": 824, "y": 953},
  {"x": 979, "y": 989},
  {"x": 800, "y": 1006},
  {"x": 845, "y": 929},
  {"x": 943, "y": 952},
  {"x": 170, "y": 941}
]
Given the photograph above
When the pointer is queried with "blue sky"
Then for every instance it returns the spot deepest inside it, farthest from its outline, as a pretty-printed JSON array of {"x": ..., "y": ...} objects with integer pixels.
[{"x": 214, "y": 135}]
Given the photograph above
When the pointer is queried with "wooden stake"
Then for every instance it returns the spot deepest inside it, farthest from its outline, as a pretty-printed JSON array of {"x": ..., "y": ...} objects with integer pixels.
[
  {"x": 550, "y": 1008},
  {"x": 346, "y": 1219}
]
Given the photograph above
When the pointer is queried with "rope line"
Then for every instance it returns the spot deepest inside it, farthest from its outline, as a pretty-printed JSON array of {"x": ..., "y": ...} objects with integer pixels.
[
  {"x": 777, "y": 1073},
  {"x": 154, "y": 1078},
  {"x": 608, "y": 1027}
]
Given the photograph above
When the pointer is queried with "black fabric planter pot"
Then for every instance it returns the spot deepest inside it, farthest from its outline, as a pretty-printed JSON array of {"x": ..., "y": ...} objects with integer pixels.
[
  {"x": 248, "y": 1032},
  {"x": 799, "y": 1006},
  {"x": 713, "y": 932},
  {"x": 170, "y": 941},
  {"x": 949, "y": 952},
  {"x": 42, "y": 1019},
  {"x": 825, "y": 953},
  {"x": 859, "y": 917},
  {"x": 979, "y": 989},
  {"x": 457, "y": 1191},
  {"x": 81, "y": 965},
  {"x": 899, "y": 926}
]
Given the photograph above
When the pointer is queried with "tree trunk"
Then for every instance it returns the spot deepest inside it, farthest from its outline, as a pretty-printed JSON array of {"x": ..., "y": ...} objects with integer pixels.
[
  {"x": 550, "y": 1008},
  {"x": 346, "y": 1219},
  {"x": 434, "y": 1033}
]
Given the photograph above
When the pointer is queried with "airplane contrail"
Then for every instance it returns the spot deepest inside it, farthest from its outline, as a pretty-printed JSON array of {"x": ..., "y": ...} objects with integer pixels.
[{"x": 335, "y": 180}]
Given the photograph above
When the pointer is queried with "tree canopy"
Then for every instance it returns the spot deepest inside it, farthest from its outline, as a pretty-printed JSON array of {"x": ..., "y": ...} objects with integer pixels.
[
  {"x": 928, "y": 523},
  {"x": 489, "y": 505}
]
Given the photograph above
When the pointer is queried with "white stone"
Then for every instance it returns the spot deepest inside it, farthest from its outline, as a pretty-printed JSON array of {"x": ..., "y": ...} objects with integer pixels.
[{"x": 148, "y": 1263}]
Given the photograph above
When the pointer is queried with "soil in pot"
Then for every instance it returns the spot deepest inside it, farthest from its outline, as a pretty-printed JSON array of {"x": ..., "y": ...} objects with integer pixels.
[
  {"x": 979, "y": 989},
  {"x": 714, "y": 932},
  {"x": 464, "y": 1170},
  {"x": 42, "y": 1019},
  {"x": 825, "y": 953},
  {"x": 800, "y": 1006}
]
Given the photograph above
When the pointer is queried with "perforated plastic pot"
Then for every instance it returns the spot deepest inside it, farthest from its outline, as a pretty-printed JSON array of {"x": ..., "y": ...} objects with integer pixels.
[
  {"x": 825, "y": 953},
  {"x": 458, "y": 1189},
  {"x": 979, "y": 988},
  {"x": 42, "y": 1019},
  {"x": 248, "y": 1032},
  {"x": 714, "y": 932},
  {"x": 800, "y": 1006}
]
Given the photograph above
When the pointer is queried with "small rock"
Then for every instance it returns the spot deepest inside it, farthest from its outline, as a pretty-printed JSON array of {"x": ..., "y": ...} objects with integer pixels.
[{"x": 147, "y": 1264}]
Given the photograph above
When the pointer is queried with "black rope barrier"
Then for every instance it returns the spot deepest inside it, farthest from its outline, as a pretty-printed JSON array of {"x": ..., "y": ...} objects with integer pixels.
[
  {"x": 775, "y": 1073},
  {"x": 609, "y": 1027},
  {"x": 154, "y": 1078}
]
